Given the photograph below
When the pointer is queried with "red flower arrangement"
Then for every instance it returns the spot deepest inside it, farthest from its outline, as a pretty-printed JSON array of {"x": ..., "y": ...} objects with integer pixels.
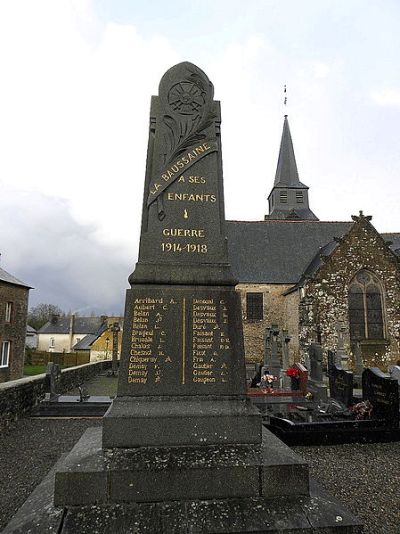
[{"x": 293, "y": 372}]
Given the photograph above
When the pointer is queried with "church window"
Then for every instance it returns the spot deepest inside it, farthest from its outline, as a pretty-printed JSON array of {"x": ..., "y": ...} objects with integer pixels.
[
  {"x": 365, "y": 307},
  {"x": 299, "y": 197},
  {"x": 254, "y": 306},
  {"x": 283, "y": 197}
]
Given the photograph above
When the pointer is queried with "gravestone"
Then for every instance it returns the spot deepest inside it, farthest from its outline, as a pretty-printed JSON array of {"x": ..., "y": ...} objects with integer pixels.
[
  {"x": 53, "y": 375},
  {"x": 341, "y": 385},
  {"x": 285, "y": 340},
  {"x": 272, "y": 360},
  {"x": 341, "y": 354},
  {"x": 395, "y": 373},
  {"x": 331, "y": 360},
  {"x": 182, "y": 448},
  {"x": 315, "y": 383},
  {"x": 358, "y": 362},
  {"x": 382, "y": 391}
]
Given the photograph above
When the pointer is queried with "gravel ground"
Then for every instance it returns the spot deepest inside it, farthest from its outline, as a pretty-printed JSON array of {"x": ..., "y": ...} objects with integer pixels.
[
  {"x": 366, "y": 478},
  {"x": 28, "y": 450}
]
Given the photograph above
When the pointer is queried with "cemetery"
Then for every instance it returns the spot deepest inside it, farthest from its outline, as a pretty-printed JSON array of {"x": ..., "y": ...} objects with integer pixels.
[{"x": 191, "y": 438}]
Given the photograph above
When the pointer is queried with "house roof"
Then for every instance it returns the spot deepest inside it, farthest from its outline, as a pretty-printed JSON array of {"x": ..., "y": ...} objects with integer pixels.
[
  {"x": 277, "y": 252},
  {"x": 82, "y": 325},
  {"x": 86, "y": 342},
  {"x": 30, "y": 329},
  {"x": 10, "y": 279}
]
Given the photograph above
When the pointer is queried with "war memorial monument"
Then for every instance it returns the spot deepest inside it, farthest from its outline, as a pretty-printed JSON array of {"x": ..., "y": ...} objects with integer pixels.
[{"x": 182, "y": 448}]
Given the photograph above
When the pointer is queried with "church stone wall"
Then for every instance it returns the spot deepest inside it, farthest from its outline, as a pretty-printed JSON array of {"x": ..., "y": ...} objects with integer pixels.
[
  {"x": 292, "y": 324},
  {"x": 274, "y": 313},
  {"x": 325, "y": 298}
]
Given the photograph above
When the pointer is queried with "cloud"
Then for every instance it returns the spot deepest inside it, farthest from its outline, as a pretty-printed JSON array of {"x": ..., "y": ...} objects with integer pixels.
[
  {"x": 63, "y": 260},
  {"x": 387, "y": 97}
]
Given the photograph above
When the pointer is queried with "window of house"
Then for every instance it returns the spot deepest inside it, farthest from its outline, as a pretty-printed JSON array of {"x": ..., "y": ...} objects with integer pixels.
[
  {"x": 52, "y": 342},
  {"x": 5, "y": 354},
  {"x": 9, "y": 306},
  {"x": 365, "y": 307},
  {"x": 283, "y": 197},
  {"x": 254, "y": 306},
  {"x": 299, "y": 197}
]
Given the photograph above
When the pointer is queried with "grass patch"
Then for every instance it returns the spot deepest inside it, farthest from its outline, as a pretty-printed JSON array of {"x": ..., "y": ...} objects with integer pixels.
[{"x": 31, "y": 370}]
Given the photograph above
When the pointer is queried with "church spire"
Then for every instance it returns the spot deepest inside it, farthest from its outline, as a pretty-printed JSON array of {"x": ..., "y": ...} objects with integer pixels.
[{"x": 289, "y": 197}]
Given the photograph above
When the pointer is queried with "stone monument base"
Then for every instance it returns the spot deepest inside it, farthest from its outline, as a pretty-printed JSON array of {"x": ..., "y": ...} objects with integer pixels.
[
  {"x": 213, "y": 489},
  {"x": 177, "y": 420}
]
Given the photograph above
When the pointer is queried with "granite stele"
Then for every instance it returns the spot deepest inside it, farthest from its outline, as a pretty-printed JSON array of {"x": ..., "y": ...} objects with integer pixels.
[{"x": 182, "y": 449}]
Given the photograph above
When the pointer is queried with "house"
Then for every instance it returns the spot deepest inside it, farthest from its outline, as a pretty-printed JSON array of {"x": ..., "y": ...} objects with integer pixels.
[
  {"x": 14, "y": 296},
  {"x": 61, "y": 334},
  {"x": 100, "y": 344},
  {"x": 315, "y": 279}
]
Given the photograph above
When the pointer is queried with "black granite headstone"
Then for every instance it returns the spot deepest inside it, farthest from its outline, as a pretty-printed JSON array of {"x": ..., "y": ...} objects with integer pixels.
[
  {"x": 341, "y": 385},
  {"x": 383, "y": 393}
]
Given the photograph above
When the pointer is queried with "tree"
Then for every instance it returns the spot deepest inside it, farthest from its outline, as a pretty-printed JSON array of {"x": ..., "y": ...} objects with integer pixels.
[{"x": 40, "y": 314}]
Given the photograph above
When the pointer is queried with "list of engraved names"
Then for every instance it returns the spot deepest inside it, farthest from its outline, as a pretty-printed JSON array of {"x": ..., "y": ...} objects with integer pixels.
[{"x": 183, "y": 338}]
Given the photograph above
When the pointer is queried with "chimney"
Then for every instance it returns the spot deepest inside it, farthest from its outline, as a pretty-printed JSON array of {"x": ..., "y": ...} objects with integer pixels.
[
  {"x": 71, "y": 331},
  {"x": 54, "y": 319}
]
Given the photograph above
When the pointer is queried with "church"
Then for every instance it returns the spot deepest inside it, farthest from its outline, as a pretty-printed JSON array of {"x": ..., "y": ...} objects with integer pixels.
[{"x": 315, "y": 281}]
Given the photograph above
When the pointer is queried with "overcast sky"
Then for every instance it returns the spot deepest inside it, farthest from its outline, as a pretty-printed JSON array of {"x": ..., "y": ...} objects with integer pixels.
[{"x": 76, "y": 81}]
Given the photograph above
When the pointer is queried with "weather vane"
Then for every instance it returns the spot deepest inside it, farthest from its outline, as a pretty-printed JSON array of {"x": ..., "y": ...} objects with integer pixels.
[{"x": 284, "y": 92}]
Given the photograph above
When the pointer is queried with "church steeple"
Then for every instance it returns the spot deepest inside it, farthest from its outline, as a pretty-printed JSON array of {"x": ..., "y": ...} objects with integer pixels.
[{"x": 289, "y": 197}]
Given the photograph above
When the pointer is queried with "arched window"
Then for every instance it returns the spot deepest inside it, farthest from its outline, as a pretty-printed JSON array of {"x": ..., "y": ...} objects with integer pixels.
[{"x": 365, "y": 307}]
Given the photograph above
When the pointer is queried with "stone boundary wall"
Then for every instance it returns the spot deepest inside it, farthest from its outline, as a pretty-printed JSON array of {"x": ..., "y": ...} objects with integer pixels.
[{"x": 19, "y": 397}]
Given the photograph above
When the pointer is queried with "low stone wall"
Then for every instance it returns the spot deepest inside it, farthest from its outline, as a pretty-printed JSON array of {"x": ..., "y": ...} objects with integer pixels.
[{"x": 18, "y": 397}]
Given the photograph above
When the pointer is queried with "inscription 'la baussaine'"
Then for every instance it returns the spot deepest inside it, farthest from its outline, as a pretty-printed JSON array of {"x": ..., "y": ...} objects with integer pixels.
[{"x": 170, "y": 174}]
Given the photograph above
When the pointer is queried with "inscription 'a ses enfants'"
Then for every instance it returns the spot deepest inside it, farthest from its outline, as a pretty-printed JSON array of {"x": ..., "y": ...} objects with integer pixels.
[{"x": 175, "y": 170}]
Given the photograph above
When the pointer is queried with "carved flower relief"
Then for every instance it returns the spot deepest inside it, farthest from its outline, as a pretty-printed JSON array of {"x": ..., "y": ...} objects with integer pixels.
[{"x": 186, "y": 98}]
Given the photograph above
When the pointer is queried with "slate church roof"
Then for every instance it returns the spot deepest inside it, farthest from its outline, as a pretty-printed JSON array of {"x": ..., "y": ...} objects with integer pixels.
[
  {"x": 281, "y": 252},
  {"x": 277, "y": 252}
]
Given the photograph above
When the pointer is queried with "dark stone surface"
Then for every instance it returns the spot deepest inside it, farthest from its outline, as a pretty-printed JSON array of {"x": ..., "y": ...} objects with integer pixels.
[
  {"x": 341, "y": 384},
  {"x": 183, "y": 237},
  {"x": 289, "y": 513},
  {"x": 152, "y": 421},
  {"x": 93, "y": 475},
  {"x": 182, "y": 340},
  {"x": 383, "y": 393}
]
